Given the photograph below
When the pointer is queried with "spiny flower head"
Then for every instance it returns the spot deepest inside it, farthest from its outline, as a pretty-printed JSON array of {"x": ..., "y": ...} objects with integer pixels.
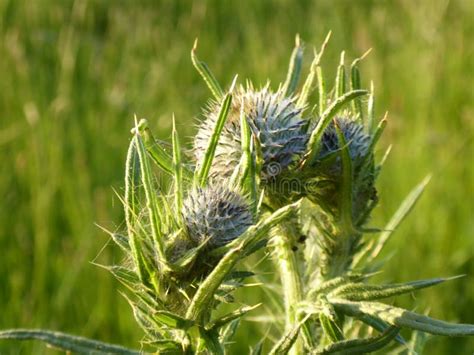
[
  {"x": 274, "y": 120},
  {"x": 215, "y": 215},
  {"x": 357, "y": 140}
]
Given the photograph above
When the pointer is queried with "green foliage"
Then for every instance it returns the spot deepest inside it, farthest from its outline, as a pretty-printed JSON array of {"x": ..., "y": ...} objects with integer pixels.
[{"x": 78, "y": 71}]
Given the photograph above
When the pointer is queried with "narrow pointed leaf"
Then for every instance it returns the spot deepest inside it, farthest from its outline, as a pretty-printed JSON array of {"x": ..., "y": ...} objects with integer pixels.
[
  {"x": 361, "y": 346},
  {"x": 364, "y": 292},
  {"x": 206, "y": 164},
  {"x": 294, "y": 69},
  {"x": 67, "y": 342},
  {"x": 178, "y": 172},
  {"x": 207, "y": 75},
  {"x": 151, "y": 199},
  {"x": 239, "y": 313},
  {"x": 308, "y": 85},
  {"x": 284, "y": 345},
  {"x": 340, "y": 86},
  {"x": 380, "y": 326},
  {"x": 330, "y": 328},
  {"x": 402, "y": 318},
  {"x": 172, "y": 320},
  {"x": 346, "y": 188},
  {"x": 132, "y": 179}
]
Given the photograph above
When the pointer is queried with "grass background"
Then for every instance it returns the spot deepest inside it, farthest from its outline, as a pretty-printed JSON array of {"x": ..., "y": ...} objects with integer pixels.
[{"x": 73, "y": 73}]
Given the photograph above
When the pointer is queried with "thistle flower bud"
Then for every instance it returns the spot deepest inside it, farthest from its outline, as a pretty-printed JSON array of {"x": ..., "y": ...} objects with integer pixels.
[
  {"x": 215, "y": 215},
  {"x": 275, "y": 121},
  {"x": 357, "y": 140}
]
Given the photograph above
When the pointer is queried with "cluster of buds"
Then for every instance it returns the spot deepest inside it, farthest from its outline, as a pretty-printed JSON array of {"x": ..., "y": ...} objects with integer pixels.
[
  {"x": 266, "y": 170},
  {"x": 269, "y": 170}
]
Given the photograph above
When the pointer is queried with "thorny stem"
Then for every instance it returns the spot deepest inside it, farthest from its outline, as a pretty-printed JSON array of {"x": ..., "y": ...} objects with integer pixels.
[{"x": 290, "y": 280}]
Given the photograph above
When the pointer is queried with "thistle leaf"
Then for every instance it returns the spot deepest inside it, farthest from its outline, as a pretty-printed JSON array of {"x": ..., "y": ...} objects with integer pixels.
[
  {"x": 402, "y": 318},
  {"x": 330, "y": 327},
  {"x": 294, "y": 69},
  {"x": 203, "y": 171},
  {"x": 284, "y": 345},
  {"x": 224, "y": 320},
  {"x": 172, "y": 320},
  {"x": 151, "y": 198},
  {"x": 361, "y": 346},
  {"x": 340, "y": 86},
  {"x": 178, "y": 171},
  {"x": 308, "y": 85},
  {"x": 67, "y": 342},
  {"x": 346, "y": 193},
  {"x": 380, "y": 326},
  {"x": 206, "y": 74},
  {"x": 132, "y": 178},
  {"x": 364, "y": 292}
]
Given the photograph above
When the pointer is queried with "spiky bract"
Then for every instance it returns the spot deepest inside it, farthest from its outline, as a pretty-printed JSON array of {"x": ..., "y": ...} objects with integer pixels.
[
  {"x": 215, "y": 215},
  {"x": 274, "y": 120}
]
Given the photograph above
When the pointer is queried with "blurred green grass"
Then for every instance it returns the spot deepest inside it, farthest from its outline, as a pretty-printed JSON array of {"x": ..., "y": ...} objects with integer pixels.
[{"x": 73, "y": 73}]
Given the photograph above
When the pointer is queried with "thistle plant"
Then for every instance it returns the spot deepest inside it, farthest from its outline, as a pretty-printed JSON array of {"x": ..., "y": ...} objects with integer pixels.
[{"x": 270, "y": 170}]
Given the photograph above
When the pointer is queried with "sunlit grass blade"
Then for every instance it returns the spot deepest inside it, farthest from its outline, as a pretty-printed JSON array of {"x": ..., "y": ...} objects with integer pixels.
[
  {"x": 203, "y": 171},
  {"x": 294, "y": 68},
  {"x": 67, "y": 342},
  {"x": 321, "y": 91},
  {"x": 371, "y": 109},
  {"x": 206, "y": 74},
  {"x": 308, "y": 84},
  {"x": 329, "y": 113}
]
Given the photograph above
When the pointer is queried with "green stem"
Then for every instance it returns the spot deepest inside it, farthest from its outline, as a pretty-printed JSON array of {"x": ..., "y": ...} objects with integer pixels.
[{"x": 290, "y": 280}]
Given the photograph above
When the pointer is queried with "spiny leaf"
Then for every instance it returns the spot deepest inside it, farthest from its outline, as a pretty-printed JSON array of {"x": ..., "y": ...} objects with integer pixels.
[
  {"x": 308, "y": 85},
  {"x": 206, "y": 74},
  {"x": 222, "y": 321},
  {"x": 363, "y": 292},
  {"x": 284, "y": 345},
  {"x": 379, "y": 325},
  {"x": 361, "y": 346},
  {"x": 67, "y": 342},
  {"x": 206, "y": 164},
  {"x": 151, "y": 199},
  {"x": 132, "y": 178},
  {"x": 178, "y": 172},
  {"x": 402, "y": 318},
  {"x": 328, "y": 114},
  {"x": 294, "y": 69},
  {"x": 330, "y": 327},
  {"x": 172, "y": 320}
]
